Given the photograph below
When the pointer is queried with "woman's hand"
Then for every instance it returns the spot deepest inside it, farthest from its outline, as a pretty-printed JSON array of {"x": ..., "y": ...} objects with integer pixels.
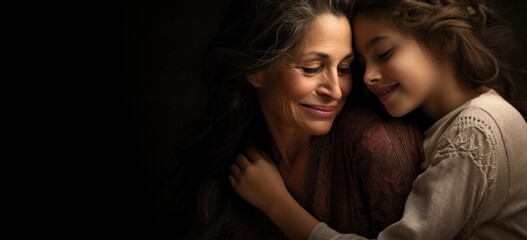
[{"x": 256, "y": 178}]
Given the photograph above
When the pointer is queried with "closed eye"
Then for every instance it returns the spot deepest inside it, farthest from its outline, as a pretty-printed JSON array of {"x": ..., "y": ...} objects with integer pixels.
[
  {"x": 385, "y": 56},
  {"x": 344, "y": 69},
  {"x": 311, "y": 70}
]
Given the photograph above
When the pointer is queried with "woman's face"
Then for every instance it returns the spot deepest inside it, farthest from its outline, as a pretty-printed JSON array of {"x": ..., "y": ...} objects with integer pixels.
[
  {"x": 305, "y": 90},
  {"x": 398, "y": 70}
]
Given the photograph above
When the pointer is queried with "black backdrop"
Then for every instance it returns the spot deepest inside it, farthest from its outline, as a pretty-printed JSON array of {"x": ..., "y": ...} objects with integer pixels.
[{"x": 152, "y": 61}]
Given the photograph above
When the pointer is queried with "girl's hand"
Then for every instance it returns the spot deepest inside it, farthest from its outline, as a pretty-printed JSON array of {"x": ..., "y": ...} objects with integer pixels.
[{"x": 256, "y": 178}]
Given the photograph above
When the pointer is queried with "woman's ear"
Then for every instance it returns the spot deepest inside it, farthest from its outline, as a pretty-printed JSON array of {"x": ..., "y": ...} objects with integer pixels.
[{"x": 255, "y": 79}]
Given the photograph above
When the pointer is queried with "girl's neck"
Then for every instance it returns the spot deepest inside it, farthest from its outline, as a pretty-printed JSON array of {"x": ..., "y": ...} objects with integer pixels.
[
  {"x": 450, "y": 95},
  {"x": 447, "y": 103}
]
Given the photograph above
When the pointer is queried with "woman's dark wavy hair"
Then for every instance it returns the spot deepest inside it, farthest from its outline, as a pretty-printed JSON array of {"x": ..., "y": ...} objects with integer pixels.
[
  {"x": 254, "y": 35},
  {"x": 467, "y": 32}
]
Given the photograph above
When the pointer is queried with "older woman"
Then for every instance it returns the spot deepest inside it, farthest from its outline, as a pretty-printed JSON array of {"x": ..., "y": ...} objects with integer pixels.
[{"x": 279, "y": 77}]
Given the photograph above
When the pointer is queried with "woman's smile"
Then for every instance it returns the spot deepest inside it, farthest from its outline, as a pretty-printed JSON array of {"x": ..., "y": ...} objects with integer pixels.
[
  {"x": 320, "y": 111},
  {"x": 304, "y": 91}
]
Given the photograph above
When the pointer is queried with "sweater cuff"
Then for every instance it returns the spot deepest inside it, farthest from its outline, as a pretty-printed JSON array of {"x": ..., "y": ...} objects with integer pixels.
[{"x": 322, "y": 232}]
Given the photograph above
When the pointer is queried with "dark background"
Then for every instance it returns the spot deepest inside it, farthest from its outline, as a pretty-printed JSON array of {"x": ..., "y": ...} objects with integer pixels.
[{"x": 153, "y": 90}]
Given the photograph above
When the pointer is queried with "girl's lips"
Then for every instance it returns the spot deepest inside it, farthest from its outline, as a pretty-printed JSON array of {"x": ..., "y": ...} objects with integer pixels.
[
  {"x": 320, "y": 111},
  {"x": 385, "y": 93}
]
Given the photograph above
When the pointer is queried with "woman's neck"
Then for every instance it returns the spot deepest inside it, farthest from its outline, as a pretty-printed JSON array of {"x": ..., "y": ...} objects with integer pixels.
[
  {"x": 292, "y": 154},
  {"x": 289, "y": 147}
]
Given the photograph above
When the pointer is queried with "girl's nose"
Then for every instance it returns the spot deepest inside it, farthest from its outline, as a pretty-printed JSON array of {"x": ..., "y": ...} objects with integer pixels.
[{"x": 371, "y": 75}]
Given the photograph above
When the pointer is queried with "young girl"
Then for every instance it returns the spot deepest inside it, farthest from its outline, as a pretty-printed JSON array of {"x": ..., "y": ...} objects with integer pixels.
[{"x": 444, "y": 57}]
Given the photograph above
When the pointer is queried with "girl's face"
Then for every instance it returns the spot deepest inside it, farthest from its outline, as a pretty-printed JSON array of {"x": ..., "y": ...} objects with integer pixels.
[
  {"x": 398, "y": 70},
  {"x": 305, "y": 90}
]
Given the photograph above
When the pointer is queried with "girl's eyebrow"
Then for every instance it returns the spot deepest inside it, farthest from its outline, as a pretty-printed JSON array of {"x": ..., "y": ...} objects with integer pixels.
[{"x": 374, "y": 41}]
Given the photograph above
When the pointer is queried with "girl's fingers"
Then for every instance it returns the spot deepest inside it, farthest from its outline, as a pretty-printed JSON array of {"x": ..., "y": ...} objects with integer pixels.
[
  {"x": 242, "y": 162},
  {"x": 265, "y": 156},
  {"x": 253, "y": 154}
]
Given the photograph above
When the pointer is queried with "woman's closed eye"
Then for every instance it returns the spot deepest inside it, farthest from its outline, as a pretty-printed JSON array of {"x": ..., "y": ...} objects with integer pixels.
[
  {"x": 311, "y": 70},
  {"x": 341, "y": 69},
  {"x": 344, "y": 69}
]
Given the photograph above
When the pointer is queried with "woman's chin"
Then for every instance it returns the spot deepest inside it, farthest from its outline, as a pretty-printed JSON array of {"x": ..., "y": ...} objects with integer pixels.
[{"x": 319, "y": 128}]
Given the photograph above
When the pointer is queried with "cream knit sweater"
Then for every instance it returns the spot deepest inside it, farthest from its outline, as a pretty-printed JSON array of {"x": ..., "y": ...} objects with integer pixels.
[{"x": 475, "y": 181}]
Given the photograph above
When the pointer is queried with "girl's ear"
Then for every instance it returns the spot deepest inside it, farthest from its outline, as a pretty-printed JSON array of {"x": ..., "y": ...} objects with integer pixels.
[{"x": 256, "y": 79}]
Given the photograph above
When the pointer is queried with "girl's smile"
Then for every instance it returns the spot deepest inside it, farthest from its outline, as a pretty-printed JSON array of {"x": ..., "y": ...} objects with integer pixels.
[
  {"x": 384, "y": 93},
  {"x": 400, "y": 72}
]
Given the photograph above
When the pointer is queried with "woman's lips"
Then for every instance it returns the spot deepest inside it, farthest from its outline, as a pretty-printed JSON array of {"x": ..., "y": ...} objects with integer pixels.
[
  {"x": 385, "y": 93},
  {"x": 320, "y": 111}
]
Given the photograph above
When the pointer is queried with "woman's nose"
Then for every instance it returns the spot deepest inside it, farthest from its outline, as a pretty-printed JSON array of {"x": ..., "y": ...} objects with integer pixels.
[{"x": 330, "y": 86}]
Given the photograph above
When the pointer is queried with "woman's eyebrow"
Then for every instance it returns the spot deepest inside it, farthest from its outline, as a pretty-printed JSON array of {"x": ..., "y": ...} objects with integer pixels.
[
  {"x": 326, "y": 56},
  {"x": 350, "y": 55},
  {"x": 318, "y": 54}
]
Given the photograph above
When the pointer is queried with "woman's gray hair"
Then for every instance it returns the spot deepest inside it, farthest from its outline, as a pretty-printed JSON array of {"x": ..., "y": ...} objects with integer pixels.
[
  {"x": 254, "y": 35},
  {"x": 270, "y": 29}
]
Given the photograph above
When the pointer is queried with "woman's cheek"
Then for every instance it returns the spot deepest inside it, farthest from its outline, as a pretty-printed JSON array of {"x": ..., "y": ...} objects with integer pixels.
[{"x": 346, "y": 86}]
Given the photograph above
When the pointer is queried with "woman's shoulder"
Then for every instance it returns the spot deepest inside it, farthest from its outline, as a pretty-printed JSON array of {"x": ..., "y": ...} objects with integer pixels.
[
  {"x": 368, "y": 121},
  {"x": 389, "y": 152},
  {"x": 374, "y": 132},
  {"x": 360, "y": 115}
]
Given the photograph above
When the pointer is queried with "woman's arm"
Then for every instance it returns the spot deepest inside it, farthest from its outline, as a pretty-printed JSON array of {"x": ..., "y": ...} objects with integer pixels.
[{"x": 259, "y": 182}]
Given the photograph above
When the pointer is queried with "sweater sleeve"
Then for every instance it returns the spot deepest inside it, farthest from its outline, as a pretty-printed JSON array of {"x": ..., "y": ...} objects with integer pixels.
[{"x": 447, "y": 198}]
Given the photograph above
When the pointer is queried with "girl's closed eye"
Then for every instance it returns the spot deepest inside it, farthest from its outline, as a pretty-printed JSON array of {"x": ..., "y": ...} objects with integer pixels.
[{"x": 385, "y": 55}]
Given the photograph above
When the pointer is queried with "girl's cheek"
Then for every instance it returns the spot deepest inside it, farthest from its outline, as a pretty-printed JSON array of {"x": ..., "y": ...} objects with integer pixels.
[{"x": 399, "y": 71}]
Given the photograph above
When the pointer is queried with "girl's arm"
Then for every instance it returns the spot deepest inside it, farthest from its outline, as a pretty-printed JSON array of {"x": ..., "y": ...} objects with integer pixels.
[
  {"x": 260, "y": 183},
  {"x": 387, "y": 170},
  {"x": 461, "y": 188}
]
